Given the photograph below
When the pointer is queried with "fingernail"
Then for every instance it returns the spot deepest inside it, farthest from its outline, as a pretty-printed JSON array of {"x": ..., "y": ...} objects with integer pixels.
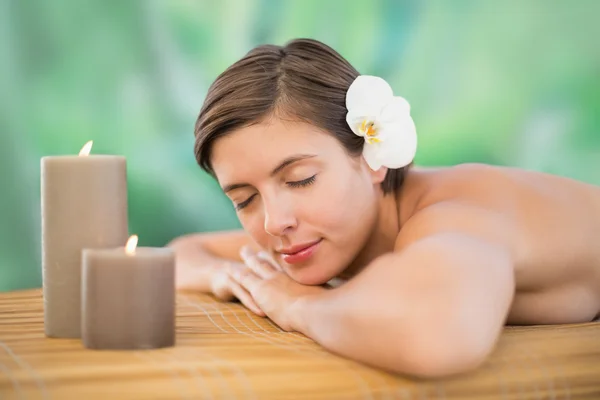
[
  {"x": 245, "y": 252},
  {"x": 264, "y": 255}
]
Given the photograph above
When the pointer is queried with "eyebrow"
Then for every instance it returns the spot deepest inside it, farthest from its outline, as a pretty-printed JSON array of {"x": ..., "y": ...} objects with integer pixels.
[{"x": 286, "y": 162}]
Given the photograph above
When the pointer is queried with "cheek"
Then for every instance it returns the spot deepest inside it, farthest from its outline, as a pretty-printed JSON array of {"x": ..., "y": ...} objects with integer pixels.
[{"x": 343, "y": 206}]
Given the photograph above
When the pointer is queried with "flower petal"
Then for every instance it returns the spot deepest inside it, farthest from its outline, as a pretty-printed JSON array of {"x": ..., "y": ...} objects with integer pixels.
[
  {"x": 354, "y": 118},
  {"x": 371, "y": 155},
  {"x": 399, "y": 144},
  {"x": 395, "y": 109},
  {"x": 368, "y": 93}
]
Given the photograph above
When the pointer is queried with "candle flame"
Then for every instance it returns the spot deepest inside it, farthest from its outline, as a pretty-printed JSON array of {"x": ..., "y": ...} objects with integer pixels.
[
  {"x": 131, "y": 245},
  {"x": 86, "y": 149}
]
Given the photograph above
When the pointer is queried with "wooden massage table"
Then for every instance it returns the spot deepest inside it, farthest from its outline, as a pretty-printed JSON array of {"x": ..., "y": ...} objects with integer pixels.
[{"x": 225, "y": 352}]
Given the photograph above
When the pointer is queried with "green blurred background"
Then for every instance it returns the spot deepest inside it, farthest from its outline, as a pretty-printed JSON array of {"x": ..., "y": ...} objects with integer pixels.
[{"x": 511, "y": 82}]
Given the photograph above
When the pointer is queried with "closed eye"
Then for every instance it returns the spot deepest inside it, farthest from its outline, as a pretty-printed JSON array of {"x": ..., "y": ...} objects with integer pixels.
[
  {"x": 244, "y": 203},
  {"x": 302, "y": 183},
  {"x": 294, "y": 184}
]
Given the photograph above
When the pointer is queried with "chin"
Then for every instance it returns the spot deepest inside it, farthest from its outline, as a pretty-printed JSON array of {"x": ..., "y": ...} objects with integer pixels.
[{"x": 313, "y": 275}]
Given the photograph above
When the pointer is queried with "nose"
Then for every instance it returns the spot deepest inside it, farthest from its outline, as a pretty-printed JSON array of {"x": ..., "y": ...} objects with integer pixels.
[{"x": 279, "y": 217}]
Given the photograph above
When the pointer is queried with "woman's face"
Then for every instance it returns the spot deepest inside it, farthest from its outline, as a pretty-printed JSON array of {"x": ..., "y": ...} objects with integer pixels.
[{"x": 298, "y": 195}]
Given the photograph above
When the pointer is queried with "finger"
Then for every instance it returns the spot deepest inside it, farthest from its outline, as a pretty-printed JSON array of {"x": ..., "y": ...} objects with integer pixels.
[
  {"x": 261, "y": 268},
  {"x": 221, "y": 286},
  {"x": 243, "y": 296},
  {"x": 268, "y": 258},
  {"x": 245, "y": 277}
]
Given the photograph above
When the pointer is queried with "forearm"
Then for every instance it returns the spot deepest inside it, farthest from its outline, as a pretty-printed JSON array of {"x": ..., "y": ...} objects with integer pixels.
[
  {"x": 397, "y": 316},
  {"x": 363, "y": 322},
  {"x": 195, "y": 264}
]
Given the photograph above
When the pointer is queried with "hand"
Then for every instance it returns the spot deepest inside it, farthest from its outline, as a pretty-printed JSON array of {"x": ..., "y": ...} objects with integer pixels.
[
  {"x": 275, "y": 293},
  {"x": 211, "y": 277},
  {"x": 225, "y": 288}
]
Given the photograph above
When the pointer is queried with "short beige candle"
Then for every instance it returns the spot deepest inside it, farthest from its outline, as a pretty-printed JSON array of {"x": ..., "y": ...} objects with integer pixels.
[
  {"x": 128, "y": 297},
  {"x": 84, "y": 205}
]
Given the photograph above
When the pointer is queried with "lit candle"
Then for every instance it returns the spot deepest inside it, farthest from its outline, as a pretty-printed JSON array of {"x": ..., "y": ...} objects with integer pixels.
[
  {"x": 128, "y": 297},
  {"x": 83, "y": 205}
]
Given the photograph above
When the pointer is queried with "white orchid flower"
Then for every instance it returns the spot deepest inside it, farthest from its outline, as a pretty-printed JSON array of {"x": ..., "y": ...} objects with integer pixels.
[{"x": 383, "y": 120}]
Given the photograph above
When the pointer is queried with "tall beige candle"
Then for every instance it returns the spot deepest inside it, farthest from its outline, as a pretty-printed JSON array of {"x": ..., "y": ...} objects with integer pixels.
[
  {"x": 84, "y": 205},
  {"x": 128, "y": 297}
]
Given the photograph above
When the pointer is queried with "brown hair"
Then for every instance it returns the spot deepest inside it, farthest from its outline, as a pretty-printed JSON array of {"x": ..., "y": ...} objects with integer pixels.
[{"x": 305, "y": 80}]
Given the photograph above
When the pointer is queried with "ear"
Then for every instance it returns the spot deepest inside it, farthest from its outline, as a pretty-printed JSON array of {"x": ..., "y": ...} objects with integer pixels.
[
  {"x": 379, "y": 175},
  {"x": 376, "y": 176}
]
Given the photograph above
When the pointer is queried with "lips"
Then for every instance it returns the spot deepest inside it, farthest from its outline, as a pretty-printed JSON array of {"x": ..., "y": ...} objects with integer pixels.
[
  {"x": 299, "y": 253},
  {"x": 297, "y": 248}
]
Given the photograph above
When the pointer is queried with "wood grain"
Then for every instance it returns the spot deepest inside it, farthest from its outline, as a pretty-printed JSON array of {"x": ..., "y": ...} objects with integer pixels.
[{"x": 223, "y": 351}]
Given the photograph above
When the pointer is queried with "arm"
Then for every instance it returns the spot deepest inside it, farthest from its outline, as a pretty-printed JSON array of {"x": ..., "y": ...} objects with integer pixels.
[
  {"x": 198, "y": 255},
  {"x": 434, "y": 308}
]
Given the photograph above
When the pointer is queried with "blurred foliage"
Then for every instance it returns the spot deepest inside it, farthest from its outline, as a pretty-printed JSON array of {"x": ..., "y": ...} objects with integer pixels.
[{"x": 511, "y": 83}]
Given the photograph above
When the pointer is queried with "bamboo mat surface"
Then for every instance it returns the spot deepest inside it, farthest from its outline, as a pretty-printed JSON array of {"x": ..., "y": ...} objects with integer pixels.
[{"x": 225, "y": 352}]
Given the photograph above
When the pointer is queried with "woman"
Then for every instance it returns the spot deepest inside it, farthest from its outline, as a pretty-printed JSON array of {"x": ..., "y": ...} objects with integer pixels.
[{"x": 317, "y": 161}]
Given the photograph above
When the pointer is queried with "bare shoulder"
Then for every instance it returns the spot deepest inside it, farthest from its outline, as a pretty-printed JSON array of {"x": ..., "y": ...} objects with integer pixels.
[
  {"x": 500, "y": 187},
  {"x": 513, "y": 193},
  {"x": 469, "y": 198},
  {"x": 455, "y": 215},
  {"x": 549, "y": 223}
]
